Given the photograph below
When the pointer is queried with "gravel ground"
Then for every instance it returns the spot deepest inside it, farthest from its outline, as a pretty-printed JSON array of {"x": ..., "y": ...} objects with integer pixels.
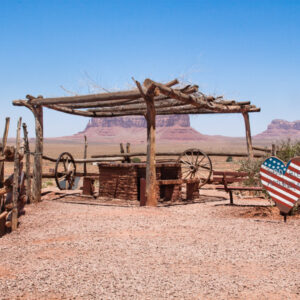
[{"x": 197, "y": 251}]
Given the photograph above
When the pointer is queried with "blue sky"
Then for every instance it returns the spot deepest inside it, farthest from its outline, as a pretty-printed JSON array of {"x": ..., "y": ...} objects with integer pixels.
[{"x": 244, "y": 50}]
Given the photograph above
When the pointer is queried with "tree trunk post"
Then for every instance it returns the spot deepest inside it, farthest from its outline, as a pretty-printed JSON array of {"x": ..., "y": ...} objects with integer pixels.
[
  {"x": 151, "y": 194},
  {"x": 273, "y": 152},
  {"x": 38, "y": 160},
  {"x": 15, "y": 194},
  {"x": 128, "y": 148},
  {"x": 4, "y": 141},
  {"x": 27, "y": 156},
  {"x": 248, "y": 135}
]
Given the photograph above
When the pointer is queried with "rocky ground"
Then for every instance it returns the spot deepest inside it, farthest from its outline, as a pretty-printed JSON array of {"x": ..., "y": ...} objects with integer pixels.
[{"x": 205, "y": 250}]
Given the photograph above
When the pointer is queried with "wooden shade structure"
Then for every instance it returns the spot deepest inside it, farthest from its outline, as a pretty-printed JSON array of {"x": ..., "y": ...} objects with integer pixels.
[{"x": 148, "y": 100}]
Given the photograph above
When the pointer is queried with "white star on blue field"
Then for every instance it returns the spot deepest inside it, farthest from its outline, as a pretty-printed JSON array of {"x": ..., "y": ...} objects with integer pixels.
[{"x": 275, "y": 165}]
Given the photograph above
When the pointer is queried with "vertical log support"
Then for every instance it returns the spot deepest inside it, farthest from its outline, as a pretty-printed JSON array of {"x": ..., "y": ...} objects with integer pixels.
[
  {"x": 38, "y": 160},
  {"x": 4, "y": 141},
  {"x": 151, "y": 185},
  {"x": 248, "y": 135},
  {"x": 151, "y": 169},
  {"x": 15, "y": 195},
  {"x": 27, "y": 157},
  {"x": 85, "y": 155}
]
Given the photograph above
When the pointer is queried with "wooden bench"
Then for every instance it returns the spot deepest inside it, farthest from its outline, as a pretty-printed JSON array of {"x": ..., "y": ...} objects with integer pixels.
[
  {"x": 226, "y": 178},
  {"x": 170, "y": 189}
]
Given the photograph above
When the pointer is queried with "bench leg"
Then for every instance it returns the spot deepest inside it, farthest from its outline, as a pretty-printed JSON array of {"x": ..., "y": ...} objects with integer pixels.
[{"x": 231, "y": 197}]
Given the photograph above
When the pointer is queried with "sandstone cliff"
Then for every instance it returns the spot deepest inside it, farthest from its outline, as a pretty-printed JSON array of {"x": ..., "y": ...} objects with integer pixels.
[
  {"x": 133, "y": 128},
  {"x": 281, "y": 129}
]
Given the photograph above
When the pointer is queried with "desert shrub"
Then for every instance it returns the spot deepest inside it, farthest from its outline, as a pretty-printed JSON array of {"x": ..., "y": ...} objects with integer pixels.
[
  {"x": 229, "y": 159},
  {"x": 252, "y": 167},
  {"x": 287, "y": 149},
  {"x": 136, "y": 160}
]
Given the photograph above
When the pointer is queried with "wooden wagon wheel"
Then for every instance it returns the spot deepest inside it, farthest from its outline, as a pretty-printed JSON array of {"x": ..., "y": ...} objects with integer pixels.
[
  {"x": 65, "y": 170},
  {"x": 195, "y": 164}
]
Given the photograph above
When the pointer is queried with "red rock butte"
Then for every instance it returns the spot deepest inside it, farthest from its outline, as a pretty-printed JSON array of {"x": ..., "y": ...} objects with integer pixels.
[
  {"x": 133, "y": 129},
  {"x": 281, "y": 129}
]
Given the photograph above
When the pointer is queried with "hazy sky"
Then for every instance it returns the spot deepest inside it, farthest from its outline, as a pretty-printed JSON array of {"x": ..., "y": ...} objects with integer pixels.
[{"x": 244, "y": 50}]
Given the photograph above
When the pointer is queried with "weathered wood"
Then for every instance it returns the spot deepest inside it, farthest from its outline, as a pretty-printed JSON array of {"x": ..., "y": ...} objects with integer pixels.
[
  {"x": 15, "y": 193},
  {"x": 122, "y": 148},
  {"x": 127, "y": 147},
  {"x": 27, "y": 157},
  {"x": 38, "y": 161},
  {"x": 261, "y": 149},
  {"x": 248, "y": 134},
  {"x": 2, "y": 223},
  {"x": 184, "y": 109},
  {"x": 209, "y": 153},
  {"x": 85, "y": 154},
  {"x": 4, "y": 142},
  {"x": 131, "y": 94},
  {"x": 168, "y": 104},
  {"x": 274, "y": 150},
  {"x": 151, "y": 185},
  {"x": 78, "y": 174}
]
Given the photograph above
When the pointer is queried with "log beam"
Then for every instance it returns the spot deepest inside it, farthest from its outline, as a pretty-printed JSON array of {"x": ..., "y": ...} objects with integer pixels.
[{"x": 248, "y": 135}]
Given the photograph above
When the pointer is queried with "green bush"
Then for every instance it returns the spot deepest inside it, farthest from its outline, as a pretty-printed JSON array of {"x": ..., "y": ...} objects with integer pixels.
[{"x": 136, "y": 160}]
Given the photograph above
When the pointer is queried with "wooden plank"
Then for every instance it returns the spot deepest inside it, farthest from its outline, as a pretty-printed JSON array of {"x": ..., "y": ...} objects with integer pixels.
[
  {"x": 230, "y": 173},
  {"x": 15, "y": 193}
]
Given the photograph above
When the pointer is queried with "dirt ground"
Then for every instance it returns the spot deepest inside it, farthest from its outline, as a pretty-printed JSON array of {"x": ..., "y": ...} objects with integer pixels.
[{"x": 77, "y": 248}]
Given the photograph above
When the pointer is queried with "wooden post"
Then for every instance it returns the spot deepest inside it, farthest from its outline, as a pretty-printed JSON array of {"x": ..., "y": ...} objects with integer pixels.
[
  {"x": 248, "y": 135},
  {"x": 4, "y": 141},
  {"x": 128, "y": 147},
  {"x": 38, "y": 160},
  {"x": 151, "y": 194},
  {"x": 85, "y": 155},
  {"x": 27, "y": 156},
  {"x": 273, "y": 153},
  {"x": 151, "y": 185},
  {"x": 121, "y": 148},
  {"x": 15, "y": 195}
]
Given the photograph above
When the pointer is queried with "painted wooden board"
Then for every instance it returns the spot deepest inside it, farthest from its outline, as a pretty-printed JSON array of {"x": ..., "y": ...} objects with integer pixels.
[{"x": 281, "y": 181}]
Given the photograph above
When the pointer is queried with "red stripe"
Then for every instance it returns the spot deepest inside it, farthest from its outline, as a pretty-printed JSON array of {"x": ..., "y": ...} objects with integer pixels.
[
  {"x": 295, "y": 171},
  {"x": 280, "y": 179},
  {"x": 282, "y": 196},
  {"x": 292, "y": 177},
  {"x": 281, "y": 187},
  {"x": 283, "y": 203},
  {"x": 296, "y": 162}
]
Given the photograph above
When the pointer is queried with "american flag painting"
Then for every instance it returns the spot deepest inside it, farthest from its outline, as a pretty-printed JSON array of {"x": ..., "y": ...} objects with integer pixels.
[{"x": 282, "y": 181}]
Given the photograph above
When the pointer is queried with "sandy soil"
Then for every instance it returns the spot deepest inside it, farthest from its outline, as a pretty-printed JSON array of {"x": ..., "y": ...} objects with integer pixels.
[{"x": 206, "y": 250}]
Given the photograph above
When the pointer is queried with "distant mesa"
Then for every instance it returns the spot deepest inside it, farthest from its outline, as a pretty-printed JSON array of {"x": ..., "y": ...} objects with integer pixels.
[
  {"x": 281, "y": 129},
  {"x": 133, "y": 128}
]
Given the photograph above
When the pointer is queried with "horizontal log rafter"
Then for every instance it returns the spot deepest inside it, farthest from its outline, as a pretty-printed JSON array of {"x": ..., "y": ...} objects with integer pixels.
[{"x": 168, "y": 101}]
